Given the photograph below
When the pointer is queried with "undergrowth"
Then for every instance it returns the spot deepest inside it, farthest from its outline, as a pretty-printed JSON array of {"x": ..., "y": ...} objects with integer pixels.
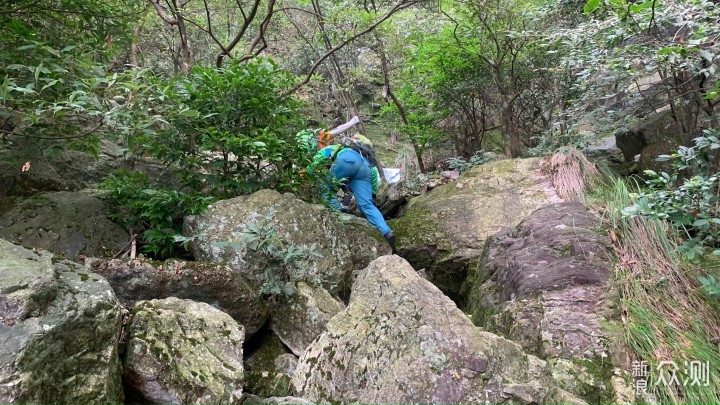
[{"x": 666, "y": 314}]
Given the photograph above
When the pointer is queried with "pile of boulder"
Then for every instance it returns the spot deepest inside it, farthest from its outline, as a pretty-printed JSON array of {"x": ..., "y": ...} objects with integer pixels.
[{"x": 500, "y": 294}]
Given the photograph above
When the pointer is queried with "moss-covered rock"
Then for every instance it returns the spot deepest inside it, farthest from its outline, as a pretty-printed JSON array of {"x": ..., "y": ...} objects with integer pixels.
[
  {"x": 300, "y": 318},
  {"x": 59, "y": 328},
  {"x": 444, "y": 230},
  {"x": 268, "y": 384},
  {"x": 214, "y": 284},
  {"x": 401, "y": 340},
  {"x": 265, "y": 348},
  {"x": 180, "y": 351},
  {"x": 66, "y": 223},
  {"x": 545, "y": 285},
  {"x": 347, "y": 244}
]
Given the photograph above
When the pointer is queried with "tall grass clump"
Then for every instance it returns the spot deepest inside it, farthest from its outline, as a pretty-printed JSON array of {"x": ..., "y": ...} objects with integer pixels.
[{"x": 666, "y": 314}]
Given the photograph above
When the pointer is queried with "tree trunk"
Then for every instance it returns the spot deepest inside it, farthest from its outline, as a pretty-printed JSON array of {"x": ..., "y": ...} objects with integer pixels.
[
  {"x": 401, "y": 109},
  {"x": 336, "y": 74},
  {"x": 135, "y": 45},
  {"x": 184, "y": 46},
  {"x": 510, "y": 130}
]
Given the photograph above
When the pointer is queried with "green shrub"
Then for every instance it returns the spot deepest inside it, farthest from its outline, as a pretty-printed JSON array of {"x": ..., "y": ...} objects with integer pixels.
[
  {"x": 687, "y": 198},
  {"x": 228, "y": 132},
  {"x": 461, "y": 165},
  {"x": 711, "y": 285},
  {"x": 155, "y": 212}
]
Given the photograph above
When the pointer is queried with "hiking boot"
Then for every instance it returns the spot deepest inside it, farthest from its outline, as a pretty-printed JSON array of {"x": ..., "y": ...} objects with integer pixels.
[{"x": 390, "y": 237}]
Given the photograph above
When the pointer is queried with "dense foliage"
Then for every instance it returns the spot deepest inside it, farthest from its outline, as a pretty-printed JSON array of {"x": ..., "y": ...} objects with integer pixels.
[
  {"x": 688, "y": 197},
  {"x": 228, "y": 132},
  {"x": 55, "y": 69}
]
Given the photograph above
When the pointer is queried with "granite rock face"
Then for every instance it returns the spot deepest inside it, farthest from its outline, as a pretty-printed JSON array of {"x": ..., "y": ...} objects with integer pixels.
[
  {"x": 346, "y": 243},
  {"x": 214, "y": 284},
  {"x": 69, "y": 224},
  {"x": 183, "y": 352},
  {"x": 401, "y": 340},
  {"x": 444, "y": 231},
  {"x": 59, "y": 328},
  {"x": 545, "y": 285},
  {"x": 300, "y": 318}
]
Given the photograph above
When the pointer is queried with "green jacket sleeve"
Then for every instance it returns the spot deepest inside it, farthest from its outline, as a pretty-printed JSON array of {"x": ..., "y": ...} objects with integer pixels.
[
  {"x": 374, "y": 176},
  {"x": 322, "y": 157}
]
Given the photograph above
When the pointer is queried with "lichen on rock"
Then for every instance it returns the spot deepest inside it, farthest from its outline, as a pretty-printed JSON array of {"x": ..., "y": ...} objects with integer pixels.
[
  {"x": 212, "y": 283},
  {"x": 300, "y": 318},
  {"x": 444, "y": 230},
  {"x": 180, "y": 351},
  {"x": 59, "y": 328},
  {"x": 65, "y": 223},
  {"x": 346, "y": 243},
  {"x": 401, "y": 340},
  {"x": 545, "y": 284}
]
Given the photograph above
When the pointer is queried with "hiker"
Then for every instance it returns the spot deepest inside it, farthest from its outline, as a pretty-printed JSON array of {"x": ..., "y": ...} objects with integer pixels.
[
  {"x": 349, "y": 162},
  {"x": 350, "y": 167}
]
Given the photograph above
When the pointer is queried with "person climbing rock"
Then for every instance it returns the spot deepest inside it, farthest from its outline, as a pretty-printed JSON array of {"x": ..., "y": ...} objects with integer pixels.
[{"x": 352, "y": 168}]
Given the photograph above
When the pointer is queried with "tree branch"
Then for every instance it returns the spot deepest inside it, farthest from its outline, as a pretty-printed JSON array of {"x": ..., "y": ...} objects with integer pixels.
[
  {"x": 209, "y": 32},
  {"x": 296, "y": 9},
  {"x": 55, "y": 137},
  {"x": 161, "y": 13},
  {"x": 246, "y": 23},
  {"x": 250, "y": 52},
  {"x": 327, "y": 54},
  {"x": 19, "y": 8}
]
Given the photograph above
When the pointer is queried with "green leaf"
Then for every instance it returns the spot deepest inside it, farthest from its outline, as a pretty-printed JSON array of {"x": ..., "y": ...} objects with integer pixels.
[
  {"x": 38, "y": 69},
  {"x": 591, "y": 6},
  {"x": 190, "y": 113},
  {"x": 638, "y": 7},
  {"x": 50, "y": 84},
  {"x": 709, "y": 56},
  {"x": 701, "y": 222}
]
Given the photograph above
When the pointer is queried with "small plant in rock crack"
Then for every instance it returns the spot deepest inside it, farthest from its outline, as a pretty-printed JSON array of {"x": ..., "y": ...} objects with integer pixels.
[{"x": 287, "y": 262}]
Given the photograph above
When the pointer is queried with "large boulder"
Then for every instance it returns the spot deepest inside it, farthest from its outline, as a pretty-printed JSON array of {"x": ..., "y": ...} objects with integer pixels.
[
  {"x": 214, "y": 284},
  {"x": 65, "y": 169},
  {"x": 301, "y": 317},
  {"x": 347, "y": 244},
  {"x": 68, "y": 170},
  {"x": 401, "y": 340},
  {"x": 545, "y": 285},
  {"x": 59, "y": 328},
  {"x": 183, "y": 352},
  {"x": 66, "y": 223},
  {"x": 444, "y": 230},
  {"x": 249, "y": 399},
  {"x": 606, "y": 151},
  {"x": 654, "y": 135}
]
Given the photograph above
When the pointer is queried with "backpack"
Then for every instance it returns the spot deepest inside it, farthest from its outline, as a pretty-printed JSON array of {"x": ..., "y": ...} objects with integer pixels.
[{"x": 362, "y": 145}]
